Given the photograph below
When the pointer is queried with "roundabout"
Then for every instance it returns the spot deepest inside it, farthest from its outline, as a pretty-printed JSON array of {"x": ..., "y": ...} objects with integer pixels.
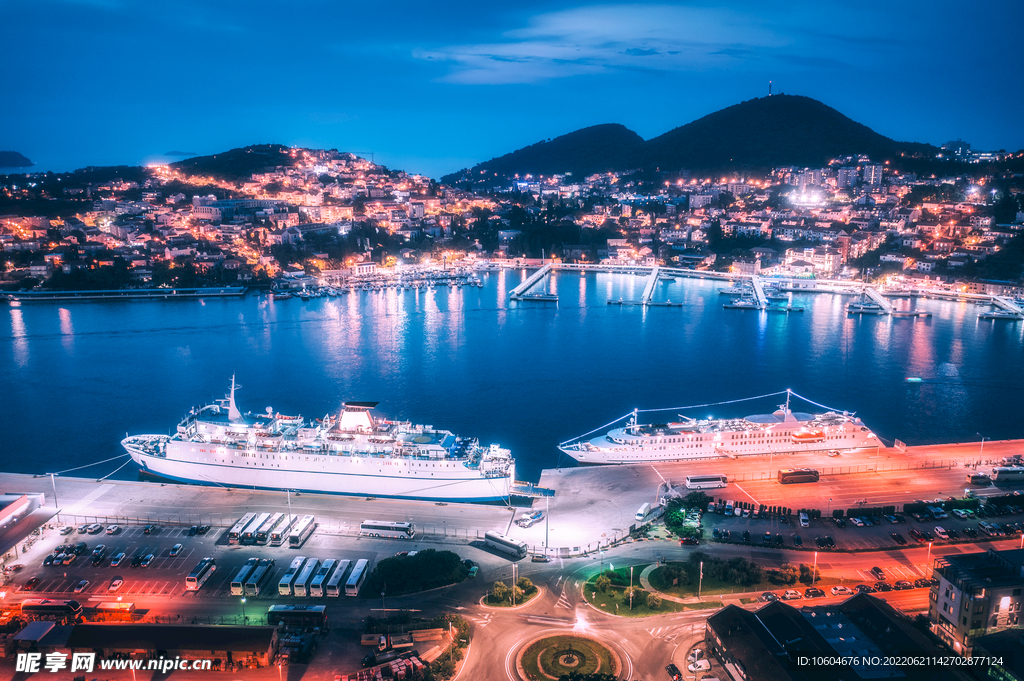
[{"x": 549, "y": 657}]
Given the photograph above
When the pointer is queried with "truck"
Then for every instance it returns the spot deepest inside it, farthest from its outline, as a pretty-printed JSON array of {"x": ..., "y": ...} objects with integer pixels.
[
  {"x": 937, "y": 512},
  {"x": 643, "y": 512}
]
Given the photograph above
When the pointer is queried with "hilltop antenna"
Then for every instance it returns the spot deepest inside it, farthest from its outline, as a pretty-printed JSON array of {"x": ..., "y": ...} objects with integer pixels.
[{"x": 769, "y": 88}]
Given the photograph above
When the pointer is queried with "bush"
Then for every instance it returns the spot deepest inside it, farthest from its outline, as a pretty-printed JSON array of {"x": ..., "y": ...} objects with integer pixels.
[
  {"x": 786, "y": 574},
  {"x": 653, "y": 601},
  {"x": 500, "y": 591},
  {"x": 809, "y": 573},
  {"x": 526, "y": 585},
  {"x": 602, "y": 583},
  {"x": 428, "y": 569},
  {"x": 639, "y": 595},
  {"x": 838, "y": 513}
]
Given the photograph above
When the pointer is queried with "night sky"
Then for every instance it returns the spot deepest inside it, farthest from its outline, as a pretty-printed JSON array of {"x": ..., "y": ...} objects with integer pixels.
[{"x": 434, "y": 87}]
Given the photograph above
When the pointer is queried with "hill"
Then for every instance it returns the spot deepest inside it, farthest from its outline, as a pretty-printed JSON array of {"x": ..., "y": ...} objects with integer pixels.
[
  {"x": 237, "y": 164},
  {"x": 595, "y": 149},
  {"x": 12, "y": 159},
  {"x": 759, "y": 133}
]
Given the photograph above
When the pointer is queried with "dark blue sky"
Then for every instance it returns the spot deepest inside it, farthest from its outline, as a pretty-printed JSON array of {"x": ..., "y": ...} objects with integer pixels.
[{"x": 433, "y": 87}]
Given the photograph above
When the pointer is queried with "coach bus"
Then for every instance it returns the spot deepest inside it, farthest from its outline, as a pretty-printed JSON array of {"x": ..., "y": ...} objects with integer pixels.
[
  {"x": 1007, "y": 474},
  {"x": 388, "y": 529},
  {"x": 340, "y": 575},
  {"x": 706, "y": 481},
  {"x": 302, "y": 582},
  {"x": 235, "y": 533},
  {"x": 788, "y": 475},
  {"x": 259, "y": 577},
  {"x": 301, "y": 616},
  {"x": 46, "y": 608},
  {"x": 284, "y": 586},
  {"x": 263, "y": 534},
  {"x": 500, "y": 542},
  {"x": 201, "y": 573},
  {"x": 355, "y": 580},
  {"x": 238, "y": 581},
  {"x": 249, "y": 533},
  {"x": 279, "y": 535},
  {"x": 300, "y": 533},
  {"x": 316, "y": 587}
]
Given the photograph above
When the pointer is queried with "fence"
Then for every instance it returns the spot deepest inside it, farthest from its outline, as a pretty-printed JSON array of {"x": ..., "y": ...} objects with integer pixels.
[{"x": 849, "y": 470}]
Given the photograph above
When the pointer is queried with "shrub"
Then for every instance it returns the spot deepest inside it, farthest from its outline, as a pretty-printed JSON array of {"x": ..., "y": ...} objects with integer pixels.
[
  {"x": 653, "y": 601},
  {"x": 602, "y": 583},
  {"x": 500, "y": 591}
]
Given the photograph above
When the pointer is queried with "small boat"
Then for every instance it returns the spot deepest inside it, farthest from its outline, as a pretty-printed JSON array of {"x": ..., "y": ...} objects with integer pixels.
[{"x": 280, "y": 295}]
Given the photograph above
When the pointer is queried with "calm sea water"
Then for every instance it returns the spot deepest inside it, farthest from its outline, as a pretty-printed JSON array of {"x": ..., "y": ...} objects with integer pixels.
[{"x": 77, "y": 376}]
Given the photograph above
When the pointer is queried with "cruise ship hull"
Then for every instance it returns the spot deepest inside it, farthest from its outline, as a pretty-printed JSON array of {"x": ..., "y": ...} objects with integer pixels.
[
  {"x": 333, "y": 475},
  {"x": 647, "y": 454}
]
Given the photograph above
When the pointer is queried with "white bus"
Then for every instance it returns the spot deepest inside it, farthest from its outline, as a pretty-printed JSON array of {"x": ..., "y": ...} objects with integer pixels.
[
  {"x": 249, "y": 533},
  {"x": 238, "y": 581},
  {"x": 259, "y": 577},
  {"x": 301, "y": 587},
  {"x": 201, "y": 573},
  {"x": 386, "y": 528},
  {"x": 300, "y": 533},
  {"x": 279, "y": 534},
  {"x": 284, "y": 586},
  {"x": 235, "y": 533},
  {"x": 1004, "y": 474},
  {"x": 316, "y": 587},
  {"x": 706, "y": 481},
  {"x": 339, "y": 576},
  {"x": 500, "y": 542},
  {"x": 355, "y": 580},
  {"x": 263, "y": 534}
]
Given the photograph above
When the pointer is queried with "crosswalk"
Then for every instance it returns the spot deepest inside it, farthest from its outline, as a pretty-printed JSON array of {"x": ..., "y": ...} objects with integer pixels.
[
  {"x": 668, "y": 634},
  {"x": 898, "y": 572},
  {"x": 563, "y": 601}
]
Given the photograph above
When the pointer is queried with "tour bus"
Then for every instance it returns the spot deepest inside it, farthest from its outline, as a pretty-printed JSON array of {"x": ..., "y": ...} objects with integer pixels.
[
  {"x": 788, "y": 475},
  {"x": 386, "y": 528},
  {"x": 259, "y": 577},
  {"x": 249, "y": 533},
  {"x": 339, "y": 576},
  {"x": 1005, "y": 474},
  {"x": 238, "y": 581},
  {"x": 284, "y": 586},
  {"x": 978, "y": 479},
  {"x": 46, "y": 608},
  {"x": 706, "y": 481},
  {"x": 301, "y": 586},
  {"x": 500, "y": 542},
  {"x": 316, "y": 587},
  {"x": 235, "y": 533},
  {"x": 279, "y": 535},
  {"x": 355, "y": 580},
  {"x": 263, "y": 534},
  {"x": 300, "y": 616},
  {"x": 202, "y": 572},
  {"x": 300, "y": 533}
]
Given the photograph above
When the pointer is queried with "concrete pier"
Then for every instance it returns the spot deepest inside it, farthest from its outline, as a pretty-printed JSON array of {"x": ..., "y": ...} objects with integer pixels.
[
  {"x": 762, "y": 299},
  {"x": 530, "y": 281},
  {"x": 872, "y": 293},
  {"x": 1004, "y": 303},
  {"x": 652, "y": 279}
]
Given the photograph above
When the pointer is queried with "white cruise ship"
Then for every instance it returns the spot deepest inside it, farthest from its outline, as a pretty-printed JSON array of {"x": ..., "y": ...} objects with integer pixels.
[
  {"x": 353, "y": 454},
  {"x": 781, "y": 432}
]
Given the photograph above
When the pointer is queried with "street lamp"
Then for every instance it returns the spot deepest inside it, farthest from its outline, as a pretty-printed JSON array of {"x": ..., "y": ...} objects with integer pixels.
[
  {"x": 243, "y": 610},
  {"x": 514, "y": 566},
  {"x": 631, "y": 586},
  {"x": 981, "y": 451},
  {"x": 52, "y": 482},
  {"x": 814, "y": 573},
  {"x": 929, "y": 559}
]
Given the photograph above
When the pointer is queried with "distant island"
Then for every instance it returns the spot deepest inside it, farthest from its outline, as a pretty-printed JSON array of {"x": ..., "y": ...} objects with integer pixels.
[{"x": 13, "y": 159}]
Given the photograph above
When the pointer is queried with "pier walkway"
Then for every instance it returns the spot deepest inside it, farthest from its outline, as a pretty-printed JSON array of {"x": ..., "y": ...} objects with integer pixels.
[
  {"x": 762, "y": 299},
  {"x": 872, "y": 293},
  {"x": 530, "y": 281},
  {"x": 1007, "y": 304},
  {"x": 652, "y": 279}
]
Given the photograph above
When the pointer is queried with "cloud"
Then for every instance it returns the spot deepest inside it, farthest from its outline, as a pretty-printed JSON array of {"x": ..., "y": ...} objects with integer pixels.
[{"x": 608, "y": 38}]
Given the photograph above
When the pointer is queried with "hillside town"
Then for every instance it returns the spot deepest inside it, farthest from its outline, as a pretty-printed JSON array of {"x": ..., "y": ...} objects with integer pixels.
[{"x": 330, "y": 214}]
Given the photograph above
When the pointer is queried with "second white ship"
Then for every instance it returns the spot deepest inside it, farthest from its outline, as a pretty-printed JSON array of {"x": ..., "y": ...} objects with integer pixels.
[{"x": 353, "y": 454}]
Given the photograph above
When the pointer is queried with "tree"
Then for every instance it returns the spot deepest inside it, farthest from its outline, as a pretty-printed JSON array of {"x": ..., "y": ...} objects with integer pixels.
[
  {"x": 526, "y": 585},
  {"x": 516, "y": 594},
  {"x": 602, "y": 583},
  {"x": 500, "y": 591},
  {"x": 636, "y": 592},
  {"x": 697, "y": 499},
  {"x": 653, "y": 601}
]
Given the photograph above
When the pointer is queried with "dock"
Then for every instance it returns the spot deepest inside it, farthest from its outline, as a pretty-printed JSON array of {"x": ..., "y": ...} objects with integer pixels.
[
  {"x": 537, "y": 276},
  {"x": 1004, "y": 303},
  {"x": 652, "y": 279},
  {"x": 759, "y": 296},
  {"x": 128, "y": 294},
  {"x": 876, "y": 297}
]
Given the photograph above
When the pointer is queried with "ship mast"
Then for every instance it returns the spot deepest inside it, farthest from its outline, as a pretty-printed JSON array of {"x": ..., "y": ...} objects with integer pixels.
[{"x": 233, "y": 413}]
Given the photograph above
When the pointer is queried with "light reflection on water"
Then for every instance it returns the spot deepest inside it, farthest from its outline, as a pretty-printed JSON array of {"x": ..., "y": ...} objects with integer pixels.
[{"x": 527, "y": 375}]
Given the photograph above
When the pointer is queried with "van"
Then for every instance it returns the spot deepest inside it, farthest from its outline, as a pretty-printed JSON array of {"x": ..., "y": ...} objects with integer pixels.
[
  {"x": 941, "y": 533},
  {"x": 804, "y": 520},
  {"x": 643, "y": 512},
  {"x": 728, "y": 508}
]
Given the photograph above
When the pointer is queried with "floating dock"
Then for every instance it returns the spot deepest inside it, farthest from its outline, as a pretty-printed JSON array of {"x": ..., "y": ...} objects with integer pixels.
[{"x": 128, "y": 294}]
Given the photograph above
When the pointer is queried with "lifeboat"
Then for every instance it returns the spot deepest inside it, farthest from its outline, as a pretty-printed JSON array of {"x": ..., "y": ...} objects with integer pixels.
[{"x": 808, "y": 436}]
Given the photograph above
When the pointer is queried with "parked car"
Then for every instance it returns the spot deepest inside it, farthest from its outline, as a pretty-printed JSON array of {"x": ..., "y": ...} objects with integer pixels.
[
  {"x": 541, "y": 558},
  {"x": 970, "y": 532},
  {"x": 674, "y": 673},
  {"x": 82, "y": 529},
  {"x": 883, "y": 586},
  {"x": 699, "y": 666},
  {"x": 136, "y": 561},
  {"x": 841, "y": 591},
  {"x": 865, "y": 589},
  {"x": 797, "y": 541},
  {"x": 769, "y": 596},
  {"x": 903, "y": 585},
  {"x": 117, "y": 560},
  {"x": 695, "y": 654},
  {"x": 746, "y": 536},
  {"x": 779, "y": 541},
  {"x": 81, "y": 586},
  {"x": 829, "y": 541},
  {"x": 813, "y": 592},
  {"x": 113, "y": 529},
  {"x": 878, "y": 573},
  {"x": 48, "y": 560},
  {"x": 898, "y": 538},
  {"x": 473, "y": 571},
  {"x": 69, "y": 558},
  {"x": 148, "y": 529},
  {"x": 115, "y": 584},
  {"x": 30, "y": 584},
  {"x": 176, "y": 549},
  {"x": 147, "y": 560},
  {"x": 839, "y": 522},
  {"x": 791, "y": 595},
  {"x": 80, "y": 548},
  {"x": 922, "y": 583},
  {"x": 193, "y": 531},
  {"x": 857, "y": 522},
  {"x": 203, "y": 529},
  {"x": 95, "y": 528},
  {"x": 66, "y": 530},
  {"x": 529, "y": 518},
  {"x": 940, "y": 532}
]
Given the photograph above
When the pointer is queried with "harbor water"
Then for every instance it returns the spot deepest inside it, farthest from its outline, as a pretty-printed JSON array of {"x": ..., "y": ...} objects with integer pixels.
[{"x": 526, "y": 374}]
